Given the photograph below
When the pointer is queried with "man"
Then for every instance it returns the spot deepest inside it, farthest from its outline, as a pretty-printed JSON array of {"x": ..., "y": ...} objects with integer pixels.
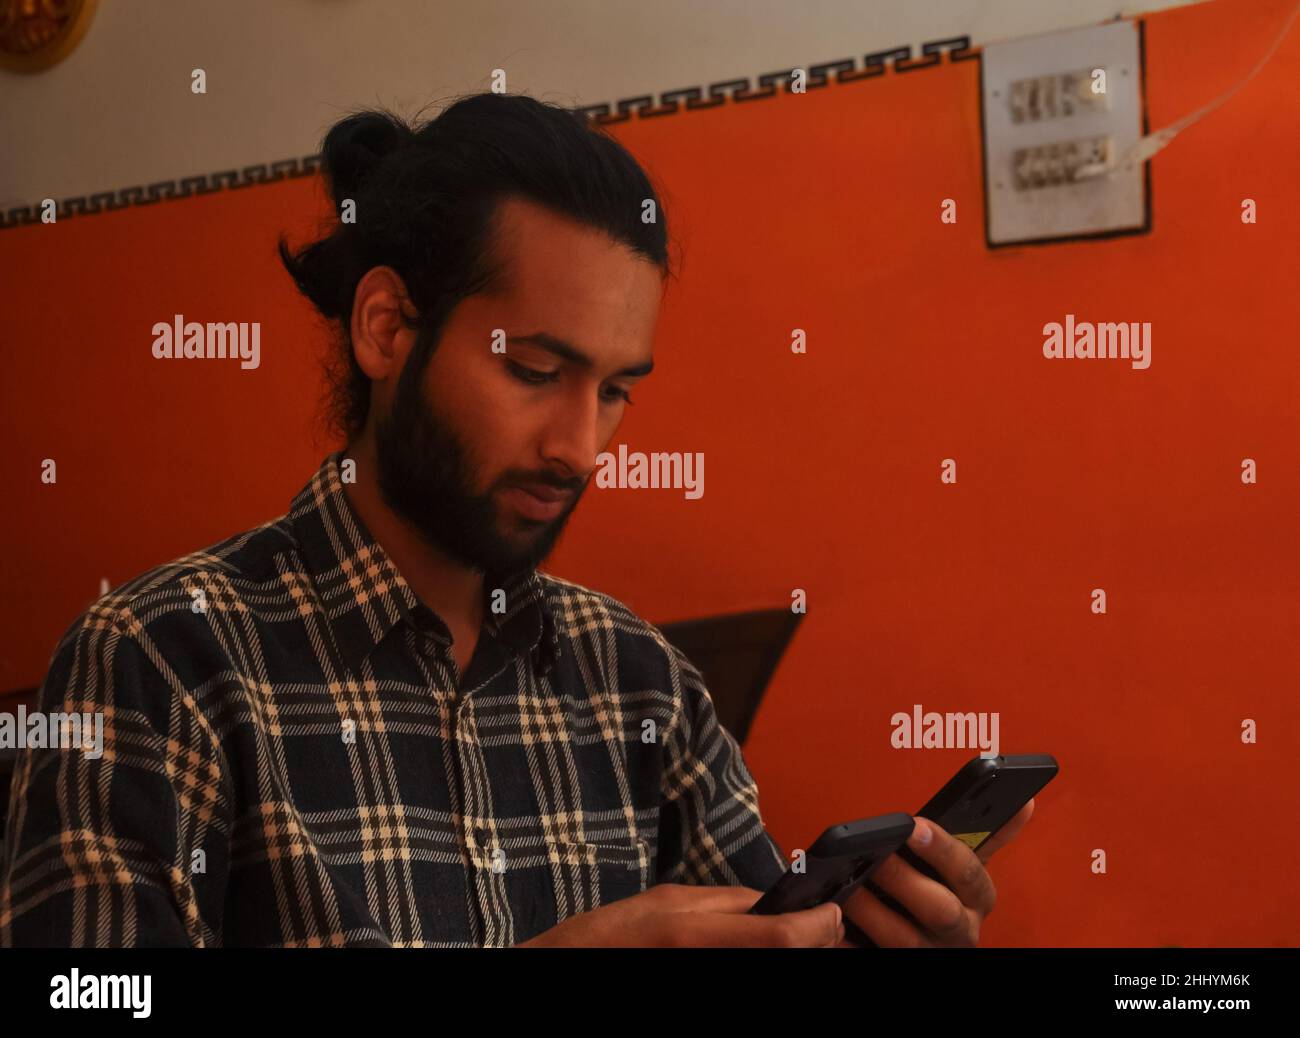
[{"x": 373, "y": 721}]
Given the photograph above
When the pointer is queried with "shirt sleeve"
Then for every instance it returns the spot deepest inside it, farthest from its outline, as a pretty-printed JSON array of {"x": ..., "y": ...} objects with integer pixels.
[
  {"x": 710, "y": 830},
  {"x": 120, "y": 841}
]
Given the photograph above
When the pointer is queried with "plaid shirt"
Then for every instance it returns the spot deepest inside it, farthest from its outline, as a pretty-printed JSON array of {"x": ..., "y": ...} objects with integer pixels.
[{"x": 291, "y": 758}]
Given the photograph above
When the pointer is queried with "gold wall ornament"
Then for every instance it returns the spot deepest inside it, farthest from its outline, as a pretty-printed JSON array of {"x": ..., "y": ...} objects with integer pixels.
[{"x": 35, "y": 34}]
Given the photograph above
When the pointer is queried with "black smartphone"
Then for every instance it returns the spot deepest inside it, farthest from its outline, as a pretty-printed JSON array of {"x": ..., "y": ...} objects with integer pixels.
[
  {"x": 983, "y": 797},
  {"x": 843, "y": 856},
  {"x": 978, "y": 801}
]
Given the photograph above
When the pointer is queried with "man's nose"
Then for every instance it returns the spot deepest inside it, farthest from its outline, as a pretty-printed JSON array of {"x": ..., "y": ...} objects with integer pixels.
[{"x": 572, "y": 436}]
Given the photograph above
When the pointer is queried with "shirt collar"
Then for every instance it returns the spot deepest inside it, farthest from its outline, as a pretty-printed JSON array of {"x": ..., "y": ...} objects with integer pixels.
[{"x": 364, "y": 596}]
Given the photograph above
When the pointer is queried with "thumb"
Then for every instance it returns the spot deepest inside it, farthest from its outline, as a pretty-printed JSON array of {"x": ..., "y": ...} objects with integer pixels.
[{"x": 822, "y": 925}]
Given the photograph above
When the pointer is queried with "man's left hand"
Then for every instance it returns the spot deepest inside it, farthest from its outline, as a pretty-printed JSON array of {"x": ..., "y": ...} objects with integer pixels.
[{"x": 942, "y": 916}]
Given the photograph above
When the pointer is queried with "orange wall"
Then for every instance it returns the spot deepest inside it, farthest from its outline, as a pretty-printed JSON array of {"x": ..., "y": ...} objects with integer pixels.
[{"x": 822, "y": 472}]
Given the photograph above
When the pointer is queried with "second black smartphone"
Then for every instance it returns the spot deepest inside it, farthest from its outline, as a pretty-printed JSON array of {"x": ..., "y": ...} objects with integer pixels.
[
  {"x": 976, "y": 802},
  {"x": 983, "y": 797}
]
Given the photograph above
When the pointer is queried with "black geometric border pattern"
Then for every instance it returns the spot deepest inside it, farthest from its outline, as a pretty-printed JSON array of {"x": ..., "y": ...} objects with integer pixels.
[
  {"x": 846, "y": 70},
  {"x": 685, "y": 99},
  {"x": 163, "y": 190}
]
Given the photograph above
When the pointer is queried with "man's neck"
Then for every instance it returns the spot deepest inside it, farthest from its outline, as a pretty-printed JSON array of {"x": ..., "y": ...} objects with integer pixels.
[{"x": 449, "y": 588}]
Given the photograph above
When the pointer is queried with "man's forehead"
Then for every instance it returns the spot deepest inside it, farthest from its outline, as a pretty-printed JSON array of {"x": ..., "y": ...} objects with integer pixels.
[
  {"x": 574, "y": 282},
  {"x": 522, "y": 222},
  {"x": 534, "y": 239}
]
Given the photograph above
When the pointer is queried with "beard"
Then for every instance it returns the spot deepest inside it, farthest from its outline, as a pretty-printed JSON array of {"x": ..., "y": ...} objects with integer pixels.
[{"x": 427, "y": 477}]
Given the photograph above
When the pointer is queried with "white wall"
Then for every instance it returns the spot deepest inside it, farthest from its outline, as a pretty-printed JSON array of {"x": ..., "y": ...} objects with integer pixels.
[{"x": 119, "y": 111}]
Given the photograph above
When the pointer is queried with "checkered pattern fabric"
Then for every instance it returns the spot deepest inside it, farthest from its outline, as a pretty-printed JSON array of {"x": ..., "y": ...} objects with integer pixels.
[{"x": 292, "y": 758}]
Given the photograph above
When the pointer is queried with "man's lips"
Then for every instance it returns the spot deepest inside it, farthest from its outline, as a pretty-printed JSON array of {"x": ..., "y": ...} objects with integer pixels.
[
  {"x": 537, "y": 500},
  {"x": 544, "y": 492}
]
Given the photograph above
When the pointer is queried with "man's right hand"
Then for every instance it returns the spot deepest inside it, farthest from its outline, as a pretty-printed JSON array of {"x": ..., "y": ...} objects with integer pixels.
[{"x": 676, "y": 915}]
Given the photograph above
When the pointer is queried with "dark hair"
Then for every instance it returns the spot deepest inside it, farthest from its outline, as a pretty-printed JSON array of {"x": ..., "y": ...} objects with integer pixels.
[{"x": 425, "y": 199}]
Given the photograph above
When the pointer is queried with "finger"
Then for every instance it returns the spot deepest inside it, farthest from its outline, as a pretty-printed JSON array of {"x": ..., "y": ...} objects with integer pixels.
[
  {"x": 1007, "y": 833},
  {"x": 883, "y": 925},
  {"x": 685, "y": 897},
  {"x": 932, "y": 906},
  {"x": 957, "y": 865},
  {"x": 818, "y": 927}
]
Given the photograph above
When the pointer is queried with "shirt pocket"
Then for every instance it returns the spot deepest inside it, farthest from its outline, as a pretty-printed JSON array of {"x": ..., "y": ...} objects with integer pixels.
[{"x": 587, "y": 875}]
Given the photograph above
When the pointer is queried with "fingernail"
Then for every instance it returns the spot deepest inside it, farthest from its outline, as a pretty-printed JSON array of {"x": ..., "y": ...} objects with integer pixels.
[
  {"x": 921, "y": 834},
  {"x": 839, "y": 914}
]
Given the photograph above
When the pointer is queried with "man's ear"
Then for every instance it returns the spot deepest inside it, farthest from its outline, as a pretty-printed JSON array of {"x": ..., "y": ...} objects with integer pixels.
[{"x": 381, "y": 338}]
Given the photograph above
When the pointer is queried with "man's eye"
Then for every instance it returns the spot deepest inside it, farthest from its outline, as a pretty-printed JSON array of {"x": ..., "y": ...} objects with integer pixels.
[
  {"x": 530, "y": 375},
  {"x": 533, "y": 377}
]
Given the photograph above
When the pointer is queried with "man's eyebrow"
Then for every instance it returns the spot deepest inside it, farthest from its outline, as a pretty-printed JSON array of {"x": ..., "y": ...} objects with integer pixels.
[{"x": 571, "y": 353}]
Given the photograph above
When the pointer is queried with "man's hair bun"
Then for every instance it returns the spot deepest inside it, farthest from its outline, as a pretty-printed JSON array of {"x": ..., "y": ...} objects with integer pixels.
[{"x": 355, "y": 147}]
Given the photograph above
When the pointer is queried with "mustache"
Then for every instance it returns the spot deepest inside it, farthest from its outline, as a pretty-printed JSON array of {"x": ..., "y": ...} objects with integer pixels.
[{"x": 571, "y": 486}]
